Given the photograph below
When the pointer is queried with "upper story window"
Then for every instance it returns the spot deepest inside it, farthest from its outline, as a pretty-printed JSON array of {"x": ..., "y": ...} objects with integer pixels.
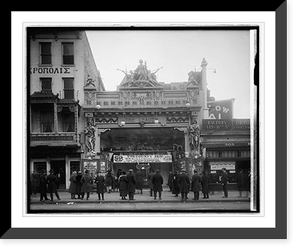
[
  {"x": 68, "y": 88},
  {"x": 46, "y": 84},
  {"x": 45, "y": 53},
  {"x": 68, "y": 53}
]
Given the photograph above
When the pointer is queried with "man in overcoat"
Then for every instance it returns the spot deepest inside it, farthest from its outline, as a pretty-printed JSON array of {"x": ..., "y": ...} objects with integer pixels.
[
  {"x": 224, "y": 179},
  {"x": 123, "y": 181},
  {"x": 72, "y": 188},
  {"x": 43, "y": 186},
  {"x": 184, "y": 185},
  {"x": 86, "y": 187},
  {"x": 100, "y": 181},
  {"x": 157, "y": 181},
  {"x": 52, "y": 185},
  {"x": 205, "y": 185},
  {"x": 131, "y": 184},
  {"x": 196, "y": 186},
  {"x": 150, "y": 184}
]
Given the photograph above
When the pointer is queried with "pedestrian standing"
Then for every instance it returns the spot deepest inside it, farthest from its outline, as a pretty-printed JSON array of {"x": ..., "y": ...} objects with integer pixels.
[
  {"x": 175, "y": 182},
  {"x": 100, "y": 181},
  {"x": 170, "y": 180},
  {"x": 157, "y": 181},
  {"x": 78, "y": 184},
  {"x": 123, "y": 185},
  {"x": 205, "y": 185},
  {"x": 224, "y": 178},
  {"x": 43, "y": 186},
  {"x": 86, "y": 187},
  {"x": 131, "y": 184},
  {"x": 184, "y": 185},
  {"x": 247, "y": 184},
  {"x": 72, "y": 188},
  {"x": 139, "y": 181},
  {"x": 150, "y": 184},
  {"x": 34, "y": 180},
  {"x": 196, "y": 185},
  {"x": 109, "y": 181},
  {"x": 52, "y": 185},
  {"x": 241, "y": 182}
]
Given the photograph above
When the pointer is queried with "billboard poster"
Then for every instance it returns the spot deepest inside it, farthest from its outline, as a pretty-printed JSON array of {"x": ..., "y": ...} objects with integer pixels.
[
  {"x": 143, "y": 158},
  {"x": 221, "y": 109}
]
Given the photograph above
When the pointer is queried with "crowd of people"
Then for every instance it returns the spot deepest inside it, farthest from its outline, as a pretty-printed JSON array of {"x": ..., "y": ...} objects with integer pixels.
[{"x": 128, "y": 183}]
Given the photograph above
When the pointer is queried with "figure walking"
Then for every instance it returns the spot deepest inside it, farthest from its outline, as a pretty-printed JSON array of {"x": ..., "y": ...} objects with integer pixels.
[
  {"x": 157, "y": 181},
  {"x": 52, "y": 185}
]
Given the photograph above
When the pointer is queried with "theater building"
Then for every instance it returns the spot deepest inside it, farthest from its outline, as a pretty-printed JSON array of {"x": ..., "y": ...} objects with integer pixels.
[
  {"x": 60, "y": 65},
  {"x": 144, "y": 124}
]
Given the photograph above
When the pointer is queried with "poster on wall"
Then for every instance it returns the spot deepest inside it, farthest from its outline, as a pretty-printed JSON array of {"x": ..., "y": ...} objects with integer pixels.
[{"x": 91, "y": 166}]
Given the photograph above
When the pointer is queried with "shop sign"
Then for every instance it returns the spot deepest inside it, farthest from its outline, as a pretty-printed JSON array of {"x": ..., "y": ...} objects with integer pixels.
[
  {"x": 228, "y": 165},
  {"x": 144, "y": 119},
  {"x": 50, "y": 70},
  {"x": 241, "y": 124},
  {"x": 216, "y": 124},
  {"x": 142, "y": 158}
]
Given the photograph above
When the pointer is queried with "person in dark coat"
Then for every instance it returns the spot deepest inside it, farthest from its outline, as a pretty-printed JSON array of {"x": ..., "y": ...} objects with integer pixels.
[
  {"x": 131, "y": 184},
  {"x": 123, "y": 185},
  {"x": 184, "y": 185},
  {"x": 139, "y": 181},
  {"x": 205, "y": 185},
  {"x": 224, "y": 178},
  {"x": 170, "y": 180},
  {"x": 241, "y": 182},
  {"x": 52, "y": 185},
  {"x": 175, "y": 182},
  {"x": 78, "y": 184},
  {"x": 72, "y": 188},
  {"x": 247, "y": 184},
  {"x": 34, "y": 180},
  {"x": 157, "y": 181},
  {"x": 43, "y": 186},
  {"x": 196, "y": 185},
  {"x": 100, "y": 181},
  {"x": 86, "y": 187},
  {"x": 150, "y": 184},
  {"x": 109, "y": 180}
]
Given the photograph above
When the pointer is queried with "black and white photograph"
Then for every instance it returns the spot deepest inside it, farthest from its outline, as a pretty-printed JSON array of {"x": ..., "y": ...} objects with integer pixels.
[
  {"x": 149, "y": 125},
  {"x": 156, "y": 119}
]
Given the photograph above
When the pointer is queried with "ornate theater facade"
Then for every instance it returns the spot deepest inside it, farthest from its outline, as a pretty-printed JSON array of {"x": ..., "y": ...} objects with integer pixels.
[{"x": 145, "y": 124}]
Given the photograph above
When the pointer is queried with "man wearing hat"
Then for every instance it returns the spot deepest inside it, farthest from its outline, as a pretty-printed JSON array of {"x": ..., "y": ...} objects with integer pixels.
[
  {"x": 131, "y": 184},
  {"x": 224, "y": 179},
  {"x": 157, "y": 182},
  {"x": 184, "y": 185}
]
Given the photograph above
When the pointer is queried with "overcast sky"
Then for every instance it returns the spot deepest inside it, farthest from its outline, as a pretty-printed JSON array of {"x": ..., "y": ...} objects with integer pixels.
[{"x": 179, "y": 52}]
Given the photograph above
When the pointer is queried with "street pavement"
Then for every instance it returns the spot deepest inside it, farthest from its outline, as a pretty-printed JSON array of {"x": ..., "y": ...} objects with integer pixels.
[{"x": 114, "y": 197}]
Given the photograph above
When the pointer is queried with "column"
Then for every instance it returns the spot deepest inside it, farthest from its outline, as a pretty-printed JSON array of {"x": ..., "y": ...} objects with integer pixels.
[
  {"x": 67, "y": 171},
  {"x": 204, "y": 88},
  {"x": 55, "y": 118}
]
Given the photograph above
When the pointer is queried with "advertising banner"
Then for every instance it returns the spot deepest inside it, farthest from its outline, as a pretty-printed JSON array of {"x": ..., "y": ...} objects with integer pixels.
[{"x": 142, "y": 158}]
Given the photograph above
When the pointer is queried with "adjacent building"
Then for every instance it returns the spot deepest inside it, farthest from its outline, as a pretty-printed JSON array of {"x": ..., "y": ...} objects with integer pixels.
[{"x": 60, "y": 63}]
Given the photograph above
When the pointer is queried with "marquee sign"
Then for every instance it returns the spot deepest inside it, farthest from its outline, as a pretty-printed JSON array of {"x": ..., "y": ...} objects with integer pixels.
[
  {"x": 142, "y": 158},
  {"x": 228, "y": 165}
]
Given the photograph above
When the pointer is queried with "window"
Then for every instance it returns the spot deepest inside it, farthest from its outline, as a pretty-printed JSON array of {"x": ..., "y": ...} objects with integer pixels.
[
  {"x": 45, "y": 52},
  {"x": 68, "y": 53},
  {"x": 47, "y": 120},
  {"x": 68, "y": 88},
  {"x": 66, "y": 121},
  {"x": 46, "y": 84}
]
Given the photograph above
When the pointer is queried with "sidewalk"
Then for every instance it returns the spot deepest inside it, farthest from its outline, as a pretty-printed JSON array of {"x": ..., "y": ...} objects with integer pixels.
[{"x": 114, "y": 197}]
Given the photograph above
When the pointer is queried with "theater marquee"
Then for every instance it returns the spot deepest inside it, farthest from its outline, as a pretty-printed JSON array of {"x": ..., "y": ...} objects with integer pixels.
[{"x": 142, "y": 158}]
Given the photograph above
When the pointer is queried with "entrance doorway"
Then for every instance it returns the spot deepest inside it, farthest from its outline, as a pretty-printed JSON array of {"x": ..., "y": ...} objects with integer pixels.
[{"x": 58, "y": 167}]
